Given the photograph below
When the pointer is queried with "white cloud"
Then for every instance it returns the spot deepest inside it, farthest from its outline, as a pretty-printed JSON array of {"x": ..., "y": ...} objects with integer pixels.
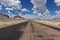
[
  {"x": 10, "y": 14},
  {"x": 39, "y": 8},
  {"x": 57, "y": 13},
  {"x": 57, "y": 2},
  {"x": 0, "y": 7},
  {"x": 24, "y": 10},
  {"x": 35, "y": 11},
  {"x": 15, "y": 4},
  {"x": 29, "y": 16},
  {"x": 9, "y": 8},
  {"x": 20, "y": 14},
  {"x": 40, "y": 4},
  {"x": 46, "y": 13},
  {"x": 34, "y": 8},
  {"x": 39, "y": 14}
]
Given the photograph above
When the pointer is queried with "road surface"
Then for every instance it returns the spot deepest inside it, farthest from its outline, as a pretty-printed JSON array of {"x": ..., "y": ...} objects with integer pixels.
[{"x": 29, "y": 31}]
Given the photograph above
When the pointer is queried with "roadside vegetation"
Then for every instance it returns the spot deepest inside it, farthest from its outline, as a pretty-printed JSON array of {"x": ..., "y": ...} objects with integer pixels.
[
  {"x": 8, "y": 23},
  {"x": 54, "y": 24},
  {"x": 11, "y": 23}
]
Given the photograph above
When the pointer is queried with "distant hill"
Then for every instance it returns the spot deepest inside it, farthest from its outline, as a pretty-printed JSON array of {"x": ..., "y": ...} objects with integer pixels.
[
  {"x": 4, "y": 17},
  {"x": 57, "y": 19},
  {"x": 18, "y": 17}
]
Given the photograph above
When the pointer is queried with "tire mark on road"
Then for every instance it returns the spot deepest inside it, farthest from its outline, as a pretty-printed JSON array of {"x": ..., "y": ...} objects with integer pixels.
[
  {"x": 41, "y": 32},
  {"x": 32, "y": 27}
]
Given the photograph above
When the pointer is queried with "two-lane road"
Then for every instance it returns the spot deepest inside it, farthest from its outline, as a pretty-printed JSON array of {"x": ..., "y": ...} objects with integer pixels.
[
  {"x": 36, "y": 31},
  {"x": 29, "y": 31}
]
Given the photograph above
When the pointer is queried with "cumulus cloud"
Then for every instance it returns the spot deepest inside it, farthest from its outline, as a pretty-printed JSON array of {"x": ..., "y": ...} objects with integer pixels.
[
  {"x": 0, "y": 7},
  {"x": 10, "y": 14},
  {"x": 57, "y": 2},
  {"x": 40, "y": 8},
  {"x": 39, "y": 14},
  {"x": 24, "y": 10},
  {"x": 46, "y": 13},
  {"x": 15, "y": 4},
  {"x": 29, "y": 16},
  {"x": 40, "y": 4},
  {"x": 9, "y": 8},
  {"x": 57, "y": 13}
]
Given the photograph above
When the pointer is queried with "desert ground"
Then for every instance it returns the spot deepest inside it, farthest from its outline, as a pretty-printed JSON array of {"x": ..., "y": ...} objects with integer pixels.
[{"x": 30, "y": 30}]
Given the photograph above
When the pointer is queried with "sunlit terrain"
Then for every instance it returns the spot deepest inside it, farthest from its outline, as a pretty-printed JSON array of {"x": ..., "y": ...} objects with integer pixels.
[
  {"x": 51, "y": 23},
  {"x": 34, "y": 29},
  {"x": 29, "y": 19},
  {"x": 4, "y": 24}
]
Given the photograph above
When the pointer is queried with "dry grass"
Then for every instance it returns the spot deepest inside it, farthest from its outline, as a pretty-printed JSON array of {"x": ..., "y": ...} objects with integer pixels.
[
  {"x": 10, "y": 23},
  {"x": 57, "y": 24},
  {"x": 2, "y": 24},
  {"x": 49, "y": 23}
]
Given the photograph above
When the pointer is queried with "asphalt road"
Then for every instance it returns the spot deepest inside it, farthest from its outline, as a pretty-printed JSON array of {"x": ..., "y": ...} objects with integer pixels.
[
  {"x": 12, "y": 32},
  {"x": 30, "y": 31},
  {"x": 38, "y": 31}
]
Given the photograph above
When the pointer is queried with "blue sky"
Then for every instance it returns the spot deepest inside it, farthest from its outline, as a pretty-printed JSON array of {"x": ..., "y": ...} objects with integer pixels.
[
  {"x": 24, "y": 8},
  {"x": 51, "y": 5}
]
